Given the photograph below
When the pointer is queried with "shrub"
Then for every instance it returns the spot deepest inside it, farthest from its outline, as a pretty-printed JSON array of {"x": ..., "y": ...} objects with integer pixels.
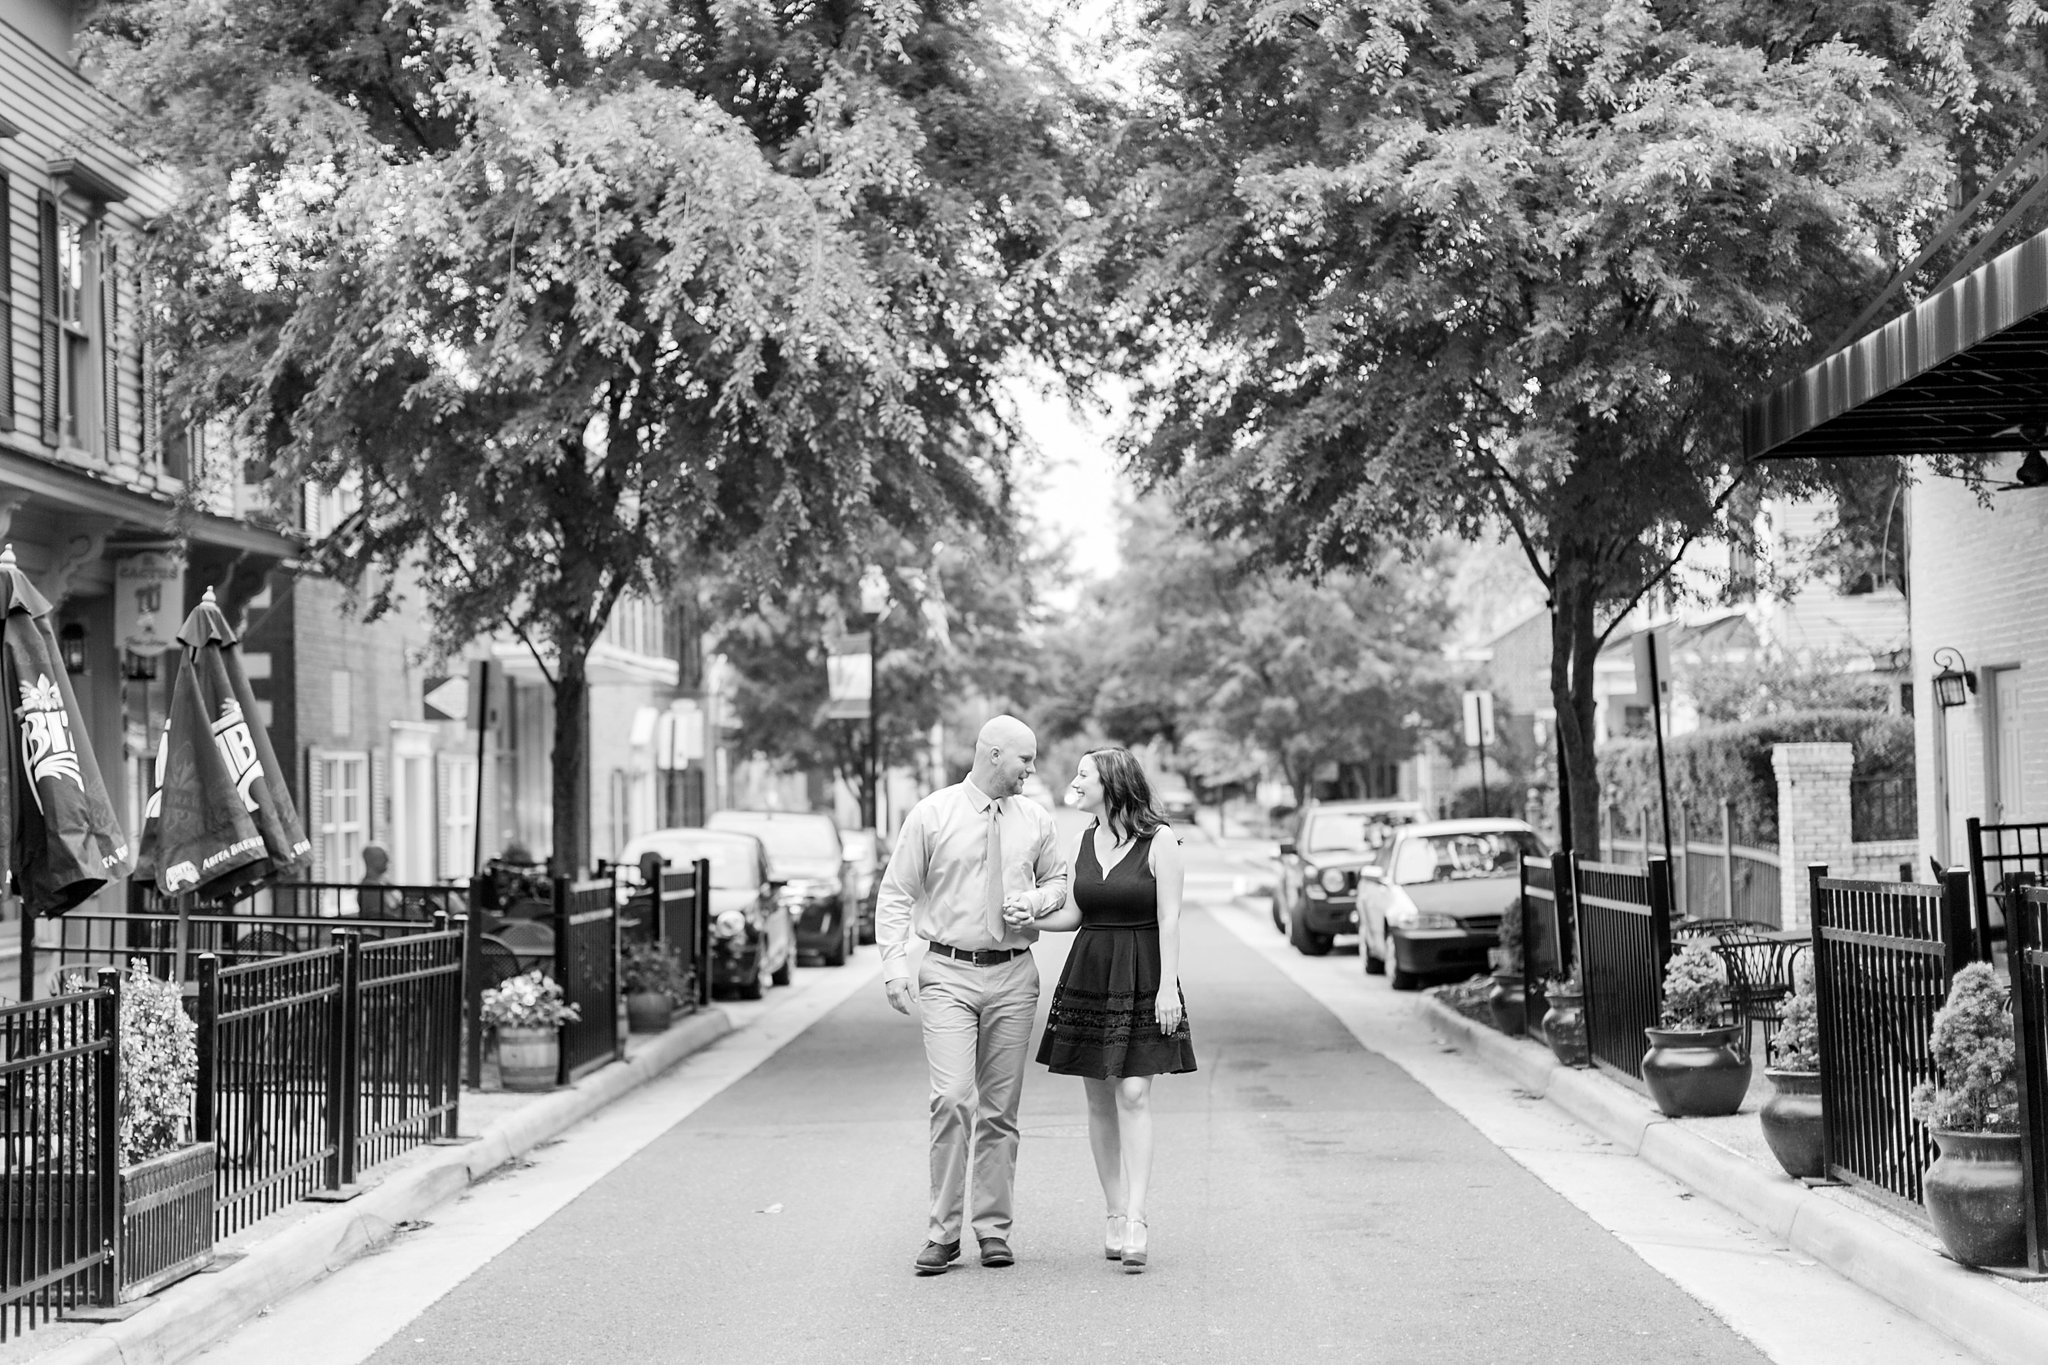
[
  {"x": 533, "y": 1000},
  {"x": 159, "y": 1066},
  {"x": 1973, "y": 1054},
  {"x": 655, "y": 967},
  {"x": 1796, "y": 1044},
  {"x": 1695, "y": 988}
]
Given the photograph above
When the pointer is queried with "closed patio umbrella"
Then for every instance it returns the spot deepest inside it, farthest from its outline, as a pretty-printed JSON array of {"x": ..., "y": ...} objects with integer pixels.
[
  {"x": 221, "y": 816},
  {"x": 62, "y": 840}
]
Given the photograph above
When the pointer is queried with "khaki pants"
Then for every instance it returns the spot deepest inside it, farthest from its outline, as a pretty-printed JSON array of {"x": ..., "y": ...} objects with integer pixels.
[{"x": 977, "y": 1034}]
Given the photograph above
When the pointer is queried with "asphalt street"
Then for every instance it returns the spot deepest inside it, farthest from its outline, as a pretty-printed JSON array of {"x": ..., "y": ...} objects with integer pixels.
[{"x": 1313, "y": 1200}]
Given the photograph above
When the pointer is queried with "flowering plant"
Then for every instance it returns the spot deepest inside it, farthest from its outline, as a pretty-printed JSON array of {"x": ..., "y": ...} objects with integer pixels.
[
  {"x": 1796, "y": 1044},
  {"x": 1695, "y": 988},
  {"x": 1568, "y": 984},
  {"x": 1973, "y": 1053},
  {"x": 653, "y": 967},
  {"x": 159, "y": 1066},
  {"x": 532, "y": 1000},
  {"x": 1507, "y": 957}
]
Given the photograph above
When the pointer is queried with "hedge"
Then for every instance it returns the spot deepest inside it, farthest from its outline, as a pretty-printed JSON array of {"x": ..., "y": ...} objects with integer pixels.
[{"x": 1733, "y": 762}]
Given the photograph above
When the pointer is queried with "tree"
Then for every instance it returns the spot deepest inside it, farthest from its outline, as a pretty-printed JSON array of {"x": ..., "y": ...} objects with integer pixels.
[
  {"x": 1402, "y": 268},
  {"x": 579, "y": 298}
]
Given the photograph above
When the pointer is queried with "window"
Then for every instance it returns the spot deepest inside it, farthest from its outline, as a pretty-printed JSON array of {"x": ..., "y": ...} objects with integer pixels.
[
  {"x": 455, "y": 802},
  {"x": 74, "y": 354},
  {"x": 338, "y": 802}
]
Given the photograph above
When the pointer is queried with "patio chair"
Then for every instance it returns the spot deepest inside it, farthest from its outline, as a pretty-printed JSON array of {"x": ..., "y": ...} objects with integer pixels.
[
  {"x": 1759, "y": 980},
  {"x": 531, "y": 940},
  {"x": 499, "y": 963}
]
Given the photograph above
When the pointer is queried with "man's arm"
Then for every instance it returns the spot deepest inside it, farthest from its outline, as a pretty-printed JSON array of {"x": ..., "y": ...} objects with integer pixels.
[
  {"x": 1049, "y": 870},
  {"x": 902, "y": 885}
]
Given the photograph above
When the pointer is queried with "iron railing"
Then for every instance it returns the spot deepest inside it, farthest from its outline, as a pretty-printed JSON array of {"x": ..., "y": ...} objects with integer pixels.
[
  {"x": 59, "y": 1229},
  {"x": 166, "y": 1219},
  {"x": 2029, "y": 964},
  {"x": 408, "y": 1047},
  {"x": 1547, "y": 932},
  {"x": 1624, "y": 924},
  {"x": 2001, "y": 857},
  {"x": 1883, "y": 808},
  {"x": 676, "y": 912},
  {"x": 586, "y": 923},
  {"x": 1883, "y": 954}
]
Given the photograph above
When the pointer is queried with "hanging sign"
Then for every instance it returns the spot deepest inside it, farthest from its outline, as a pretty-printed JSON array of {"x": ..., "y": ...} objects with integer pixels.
[{"x": 149, "y": 601}]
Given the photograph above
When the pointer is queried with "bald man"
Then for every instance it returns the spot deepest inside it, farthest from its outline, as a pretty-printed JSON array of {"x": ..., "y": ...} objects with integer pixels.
[{"x": 974, "y": 865}]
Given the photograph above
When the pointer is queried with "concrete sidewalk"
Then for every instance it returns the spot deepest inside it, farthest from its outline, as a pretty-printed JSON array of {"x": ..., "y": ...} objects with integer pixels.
[
  {"x": 306, "y": 1241},
  {"x": 1997, "y": 1319}
]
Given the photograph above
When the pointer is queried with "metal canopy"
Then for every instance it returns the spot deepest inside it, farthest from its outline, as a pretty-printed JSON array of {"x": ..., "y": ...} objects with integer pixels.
[{"x": 1955, "y": 375}]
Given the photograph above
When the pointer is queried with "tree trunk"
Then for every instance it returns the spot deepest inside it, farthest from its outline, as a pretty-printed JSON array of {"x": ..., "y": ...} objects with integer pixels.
[
  {"x": 1573, "y": 650},
  {"x": 570, "y": 761}
]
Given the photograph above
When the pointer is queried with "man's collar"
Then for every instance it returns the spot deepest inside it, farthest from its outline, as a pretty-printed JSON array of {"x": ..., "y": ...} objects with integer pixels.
[{"x": 981, "y": 799}]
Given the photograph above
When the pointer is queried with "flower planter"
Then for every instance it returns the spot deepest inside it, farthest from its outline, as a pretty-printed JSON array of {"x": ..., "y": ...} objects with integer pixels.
[
  {"x": 649, "y": 1011},
  {"x": 529, "y": 1058},
  {"x": 166, "y": 1219},
  {"x": 1975, "y": 1193},
  {"x": 1791, "y": 1120},
  {"x": 1564, "y": 1028},
  {"x": 1508, "y": 1004},
  {"x": 1695, "y": 1073}
]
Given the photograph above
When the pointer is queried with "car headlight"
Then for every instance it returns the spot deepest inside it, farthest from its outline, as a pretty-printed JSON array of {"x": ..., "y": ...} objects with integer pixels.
[
  {"x": 1405, "y": 916},
  {"x": 729, "y": 924},
  {"x": 1332, "y": 880}
]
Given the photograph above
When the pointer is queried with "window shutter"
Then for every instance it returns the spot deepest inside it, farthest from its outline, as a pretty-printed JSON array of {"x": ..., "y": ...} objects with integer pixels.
[
  {"x": 377, "y": 819},
  {"x": 316, "y": 810},
  {"x": 6, "y": 306},
  {"x": 47, "y": 263},
  {"x": 145, "y": 360},
  {"x": 110, "y": 345},
  {"x": 444, "y": 797}
]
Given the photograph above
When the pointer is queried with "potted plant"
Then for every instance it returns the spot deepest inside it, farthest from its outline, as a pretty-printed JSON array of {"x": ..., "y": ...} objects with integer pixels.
[
  {"x": 1508, "y": 1001},
  {"x": 1791, "y": 1117},
  {"x": 1564, "y": 1022},
  {"x": 159, "y": 1072},
  {"x": 1692, "y": 1067},
  {"x": 1975, "y": 1192},
  {"x": 527, "y": 1013},
  {"x": 654, "y": 980}
]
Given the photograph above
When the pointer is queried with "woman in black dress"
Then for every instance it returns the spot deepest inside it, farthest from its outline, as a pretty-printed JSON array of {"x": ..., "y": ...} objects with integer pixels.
[{"x": 1117, "y": 1017}]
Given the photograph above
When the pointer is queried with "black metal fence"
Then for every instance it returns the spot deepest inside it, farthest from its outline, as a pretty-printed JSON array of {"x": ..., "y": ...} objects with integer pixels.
[
  {"x": 408, "y": 1048},
  {"x": 1883, "y": 955},
  {"x": 2001, "y": 857},
  {"x": 2029, "y": 963},
  {"x": 676, "y": 911},
  {"x": 1624, "y": 938},
  {"x": 1548, "y": 935},
  {"x": 59, "y": 1077},
  {"x": 586, "y": 942},
  {"x": 1884, "y": 808}
]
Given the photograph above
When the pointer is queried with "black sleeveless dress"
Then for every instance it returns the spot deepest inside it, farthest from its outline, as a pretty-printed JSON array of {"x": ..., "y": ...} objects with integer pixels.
[{"x": 1102, "y": 1022}]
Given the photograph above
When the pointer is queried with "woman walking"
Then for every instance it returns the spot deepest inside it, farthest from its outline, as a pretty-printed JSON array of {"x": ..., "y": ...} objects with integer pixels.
[{"x": 1117, "y": 1017}]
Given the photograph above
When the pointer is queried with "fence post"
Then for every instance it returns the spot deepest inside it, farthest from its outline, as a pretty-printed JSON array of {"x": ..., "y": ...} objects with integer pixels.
[
  {"x": 560, "y": 918},
  {"x": 1823, "y": 1007},
  {"x": 206, "y": 1085},
  {"x": 1660, "y": 917},
  {"x": 619, "y": 1024},
  {"x": 107, "y": 1136},
  {"x": 341, "y": 1068},
  {"x": 700, "y": 899},
  {"x": 473, "y": 987},
  {"x": 657, "y": 886},
  {"x": 1727, "y": 858},
  {"x": 454, "y": 1021},
  {"x": 2033, "y": 1086},
  {"x": 1981, "y": 894},
  {"x": 1957, "y": 941},
  {"x": 1680, "y": 854},
  {"x": 1564, "y": 892}
]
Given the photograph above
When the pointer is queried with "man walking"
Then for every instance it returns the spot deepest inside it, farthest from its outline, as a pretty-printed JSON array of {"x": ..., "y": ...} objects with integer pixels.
[{"x": 974, "y": 864}]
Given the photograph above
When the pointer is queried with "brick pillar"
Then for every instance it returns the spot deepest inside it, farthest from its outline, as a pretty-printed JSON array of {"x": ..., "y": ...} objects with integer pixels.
[{"x": 1813, "y": 820}]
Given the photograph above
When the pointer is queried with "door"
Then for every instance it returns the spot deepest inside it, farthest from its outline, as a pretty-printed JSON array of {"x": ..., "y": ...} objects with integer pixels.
[
  {"x": 412, "y": 805},
  {"x": 2002, "y": 782},
  {"x": 1958, "y": 742}
]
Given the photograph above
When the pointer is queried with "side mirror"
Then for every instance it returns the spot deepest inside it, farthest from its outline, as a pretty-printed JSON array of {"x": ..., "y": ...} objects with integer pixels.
[{"x": 1287, "y": 848}]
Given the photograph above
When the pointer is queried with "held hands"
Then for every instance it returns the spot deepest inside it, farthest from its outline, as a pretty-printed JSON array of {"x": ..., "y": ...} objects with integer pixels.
[
  {"x": 1167, "y": 1010},
  {"x": 899, "y": 989},
  {"x": 1018, "y": 912}
]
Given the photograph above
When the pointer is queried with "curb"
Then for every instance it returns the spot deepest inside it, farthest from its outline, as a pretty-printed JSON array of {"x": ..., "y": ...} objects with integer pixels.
[
  {"x": 1963, "y": 1305},
  {"x": 199, "y": 1311}
]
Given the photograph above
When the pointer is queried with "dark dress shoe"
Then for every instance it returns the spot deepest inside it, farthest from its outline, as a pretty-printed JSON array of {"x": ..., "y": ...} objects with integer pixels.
[
  {"x": 995, "y": 1253},
  {"x": 936, "y": 1256}
]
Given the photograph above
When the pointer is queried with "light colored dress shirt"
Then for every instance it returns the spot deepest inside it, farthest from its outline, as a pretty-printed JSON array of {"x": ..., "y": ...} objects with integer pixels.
[{"x": 937, "y": 881}]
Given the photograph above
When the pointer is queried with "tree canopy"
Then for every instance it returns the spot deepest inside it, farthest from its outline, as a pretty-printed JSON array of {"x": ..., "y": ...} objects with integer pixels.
[{"x": 575, "y": 297}]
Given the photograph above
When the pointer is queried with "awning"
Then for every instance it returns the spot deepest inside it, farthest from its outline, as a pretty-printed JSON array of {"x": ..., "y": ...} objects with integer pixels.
[{"x": 1955, "y": 375}]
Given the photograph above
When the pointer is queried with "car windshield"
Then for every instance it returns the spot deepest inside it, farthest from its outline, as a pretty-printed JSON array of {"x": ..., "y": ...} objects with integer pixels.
[
  {"x": 1466, "y": 856},
  {"x": 1344, "y": 832},
  {"x": 732, "y": 863},
  {"x": 788, "y": 836}
]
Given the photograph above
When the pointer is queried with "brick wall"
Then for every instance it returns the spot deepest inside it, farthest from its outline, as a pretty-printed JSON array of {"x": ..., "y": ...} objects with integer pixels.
[{"x": 1813, "y": 820}]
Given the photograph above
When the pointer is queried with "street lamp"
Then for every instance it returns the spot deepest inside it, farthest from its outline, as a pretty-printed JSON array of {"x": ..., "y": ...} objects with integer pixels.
[
  {"x": 71, "y": 645},
  {"x": 874, "y": 604},
  {"x": 1955, "y": 682}
]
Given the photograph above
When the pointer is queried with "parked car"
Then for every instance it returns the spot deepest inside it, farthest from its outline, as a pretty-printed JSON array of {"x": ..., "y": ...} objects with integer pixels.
[
  {"x": 1174, "y": 798},
  {"x": 1431, "y": 903},
  {"x": 1314, "y": 900},
  {"x": 753, "y": 943},
  {"x": 805, "y": 848},
  {"x": 866, "y": 858}
]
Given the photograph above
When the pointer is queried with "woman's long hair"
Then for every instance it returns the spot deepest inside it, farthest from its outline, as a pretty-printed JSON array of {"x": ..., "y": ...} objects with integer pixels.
[{"x": 1126, "y": 796}]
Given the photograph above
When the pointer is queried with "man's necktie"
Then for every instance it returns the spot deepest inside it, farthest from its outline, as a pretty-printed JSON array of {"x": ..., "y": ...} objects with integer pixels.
[{"x": 996, "y": 927}]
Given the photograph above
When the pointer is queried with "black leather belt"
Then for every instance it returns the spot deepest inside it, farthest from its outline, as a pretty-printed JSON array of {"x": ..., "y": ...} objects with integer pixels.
[{"x": 978, "y": 957}]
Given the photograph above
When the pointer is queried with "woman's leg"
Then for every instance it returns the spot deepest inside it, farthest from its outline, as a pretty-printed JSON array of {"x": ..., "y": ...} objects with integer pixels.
[
  {"x": 1106, "y": 1143},
  {"x": 1134, "y": 1123}
]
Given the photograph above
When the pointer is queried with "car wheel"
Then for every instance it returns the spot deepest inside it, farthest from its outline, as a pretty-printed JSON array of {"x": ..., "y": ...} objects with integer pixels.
[
  {"x": 786, "y": 973},
  {"x": 1398, "y": 979},
  {"x": 756, "y": 984},
  {"x": 836, "y": 955},
  {"x": 1279, "y": 920},
  {"x": 1308, "y": 944}
]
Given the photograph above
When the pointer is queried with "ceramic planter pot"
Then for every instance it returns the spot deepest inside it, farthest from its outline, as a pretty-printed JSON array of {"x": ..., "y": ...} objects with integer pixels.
[
  {"x": 1695, "y": 1073},
  {"x": 529, "y": 1058},
  {"x": 1791, "y": 1120},
  {"x": 1564, "y": 1028},
  {"x": 1975, "y": 1193},
  {"x": 649, "y": 1011},
  {"x": 1508, "y": 1004}
]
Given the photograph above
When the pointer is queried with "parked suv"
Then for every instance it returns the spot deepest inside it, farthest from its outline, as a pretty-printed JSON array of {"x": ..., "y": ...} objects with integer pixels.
[
  {"x": 818, "y": 885},
  {"x": 1316, "y": 896}
]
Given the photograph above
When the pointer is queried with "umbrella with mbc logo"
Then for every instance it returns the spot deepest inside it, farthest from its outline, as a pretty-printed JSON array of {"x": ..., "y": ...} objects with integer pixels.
[
  {"x": 221, "y": 816},
  {"x": 58, "y": 832}
]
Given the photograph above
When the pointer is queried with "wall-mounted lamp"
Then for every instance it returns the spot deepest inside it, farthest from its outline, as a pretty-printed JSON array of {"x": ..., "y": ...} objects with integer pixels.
[
  {"x": 1953, "y": 682},
  {"x": 71, "y": 647},
  {"x": 138, "y": 667}
]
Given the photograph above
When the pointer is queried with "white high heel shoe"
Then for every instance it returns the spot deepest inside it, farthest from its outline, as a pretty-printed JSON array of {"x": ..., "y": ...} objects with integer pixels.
[
  {"x": 1113, "y": 1238},
  {"x": 1134, "y": 1245}
]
